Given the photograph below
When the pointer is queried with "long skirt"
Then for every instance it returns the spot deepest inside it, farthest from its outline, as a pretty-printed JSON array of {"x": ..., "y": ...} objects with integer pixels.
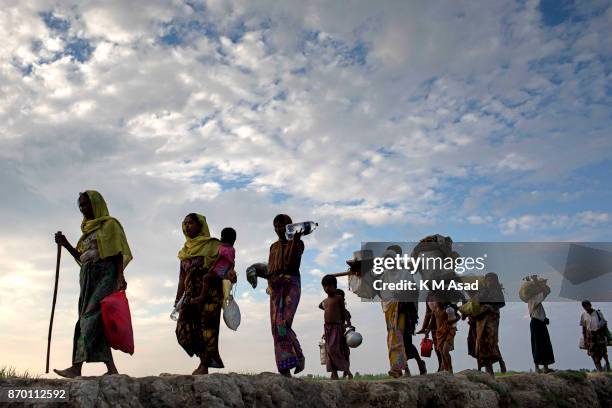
[
  {"x": 445, "y": 336},
  {"x": 336, "y": 347},
  {"x": 97, "y": 280},
  {"x": 284, "y": 300},
  {"x": 487, "y": 329},
  {"x": 197, "y": 329},
  {"x": 471, "y": 339},
  {"x": 541, "y": 347},
  {"x": 400, "y": 328}
]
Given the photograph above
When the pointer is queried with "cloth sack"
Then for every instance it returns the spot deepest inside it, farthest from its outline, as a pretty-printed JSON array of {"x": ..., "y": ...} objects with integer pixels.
[{"x": 531, "y": 288}]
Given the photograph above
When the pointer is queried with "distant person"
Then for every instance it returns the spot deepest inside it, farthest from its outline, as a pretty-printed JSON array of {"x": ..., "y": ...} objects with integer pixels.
[
  {"x": 401, "y": 319},
  {"x": 103, "y": 253},
  {"x": 285, "y": 289},
  {"x": 491, "y": 299},
  {"x": 336, "y": 320},
  {"x": 347, "y": 320},
  {"x": 541, "y": 347},
  {"x": 197, "y": 328},
  {"x": 429, "y": 327},
  {"x": 470, "y": 310},
  {"x": 446, "y": 317},
  {"x": 594, "y": 332}
]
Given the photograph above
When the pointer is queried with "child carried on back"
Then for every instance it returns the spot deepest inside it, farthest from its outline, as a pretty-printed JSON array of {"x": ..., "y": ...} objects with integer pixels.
[{"x": 337, "y": 318}]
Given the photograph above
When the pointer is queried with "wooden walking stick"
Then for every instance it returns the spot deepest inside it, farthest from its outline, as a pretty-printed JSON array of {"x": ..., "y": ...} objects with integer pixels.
[{"x": 57, "y": 268}]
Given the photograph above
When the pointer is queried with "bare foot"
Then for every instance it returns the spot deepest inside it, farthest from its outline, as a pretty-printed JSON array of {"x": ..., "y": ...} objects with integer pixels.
[
  {"x": 111, "y": 368},
  {"x": 70, "y": 372},
  {"x": 395, "y": 373},
  {"x": 200, "y": 371},
  {"x": 285, "y": 373},
  {"x": 422, "y": 367},
  {"x": 502, "y": 366}
]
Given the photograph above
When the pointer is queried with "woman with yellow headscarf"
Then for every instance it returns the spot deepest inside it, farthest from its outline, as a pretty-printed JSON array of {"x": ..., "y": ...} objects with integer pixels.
[
  {"x": 197, "y": 328},
  {"x": 102, "y": 253}
]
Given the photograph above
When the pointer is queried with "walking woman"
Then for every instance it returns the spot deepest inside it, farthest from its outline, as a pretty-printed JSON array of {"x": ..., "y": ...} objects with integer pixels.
[
  {"x": 401, "y": 319},
  {"x": 103, "y": 253},
  {"x": 284, "y": 284},
  {"x": 541, "y": 347},
  {"x": 197, "y": 328},
  {"x": 487, "y": 324}
]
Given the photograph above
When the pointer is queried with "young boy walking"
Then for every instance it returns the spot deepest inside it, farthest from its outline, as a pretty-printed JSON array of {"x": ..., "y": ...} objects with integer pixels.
[{"x": 337, "y": 319}]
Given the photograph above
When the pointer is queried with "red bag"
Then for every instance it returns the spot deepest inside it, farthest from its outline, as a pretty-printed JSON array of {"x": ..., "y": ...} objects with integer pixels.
[
  {"x": 426, "y": 346},
  {"x": 118, "y": 322}
]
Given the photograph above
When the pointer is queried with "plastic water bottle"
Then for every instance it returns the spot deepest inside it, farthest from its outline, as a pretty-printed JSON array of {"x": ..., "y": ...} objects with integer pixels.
[
  {"x": 175, "y": 312},
  {"x": 307, "y": 227}
]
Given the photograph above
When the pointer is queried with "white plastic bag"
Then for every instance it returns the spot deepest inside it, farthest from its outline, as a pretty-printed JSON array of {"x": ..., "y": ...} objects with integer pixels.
[
  {"x": 231, "y": 312},
  {"x": 362, "y": 285}
]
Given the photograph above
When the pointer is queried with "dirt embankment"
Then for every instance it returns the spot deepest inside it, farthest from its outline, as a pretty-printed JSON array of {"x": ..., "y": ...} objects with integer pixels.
[{"x": 467, "y": 389}]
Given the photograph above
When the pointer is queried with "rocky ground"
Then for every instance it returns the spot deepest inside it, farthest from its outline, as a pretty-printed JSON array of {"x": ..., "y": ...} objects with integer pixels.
[{"x": 466, "y": 389}]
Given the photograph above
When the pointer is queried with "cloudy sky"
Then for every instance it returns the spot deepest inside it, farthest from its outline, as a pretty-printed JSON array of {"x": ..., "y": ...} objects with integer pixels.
[{"x": 485, "y": 121}]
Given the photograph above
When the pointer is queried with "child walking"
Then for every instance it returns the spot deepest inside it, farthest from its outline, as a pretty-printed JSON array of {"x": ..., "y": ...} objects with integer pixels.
[
  {"x": 446, "y": 327},
  {"x": 347, "y": 320},
  {"x": 336, "y": 320}
]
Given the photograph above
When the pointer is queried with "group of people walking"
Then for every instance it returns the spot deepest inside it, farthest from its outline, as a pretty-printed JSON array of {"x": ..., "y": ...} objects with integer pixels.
[
  {"x": 103, "y": 252},
  {"x": 207, "y": 262}
]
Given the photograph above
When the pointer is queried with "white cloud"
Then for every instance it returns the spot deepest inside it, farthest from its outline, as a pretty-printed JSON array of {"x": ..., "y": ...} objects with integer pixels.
[{"x": 553, "y": 221}]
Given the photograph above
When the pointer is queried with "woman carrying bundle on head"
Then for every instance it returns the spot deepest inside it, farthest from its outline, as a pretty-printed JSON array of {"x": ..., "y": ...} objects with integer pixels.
[
  {"x": 491, "y": 300},
  {"x": 534, "y": 291}
]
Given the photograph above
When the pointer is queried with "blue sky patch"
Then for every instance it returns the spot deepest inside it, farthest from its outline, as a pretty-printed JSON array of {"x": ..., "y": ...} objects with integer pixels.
[
  {"x": 178, "y": 33},
  {"x": 79, "y": 48},
  {"x": 55, "y": 23},
  {"x": 555, "y": 12}
]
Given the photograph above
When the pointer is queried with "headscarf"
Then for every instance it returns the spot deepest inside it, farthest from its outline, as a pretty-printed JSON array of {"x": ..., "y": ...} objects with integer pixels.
[
  {"x": 201, "y": 245},
  {"x": 110, "y": 236}
]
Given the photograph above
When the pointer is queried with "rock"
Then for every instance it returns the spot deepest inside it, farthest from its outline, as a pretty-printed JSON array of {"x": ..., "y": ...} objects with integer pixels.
[{"x": 466, "y": 389}]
